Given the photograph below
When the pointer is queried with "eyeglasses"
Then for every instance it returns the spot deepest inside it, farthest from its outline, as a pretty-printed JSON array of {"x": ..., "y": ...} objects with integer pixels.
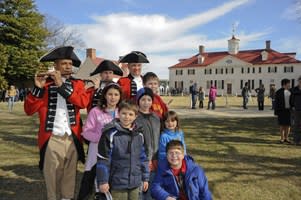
[{"x": 171, "y": 154}]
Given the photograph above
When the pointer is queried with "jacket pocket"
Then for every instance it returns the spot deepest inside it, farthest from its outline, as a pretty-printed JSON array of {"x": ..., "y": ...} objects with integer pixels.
[{"x": 119, "y": 176}]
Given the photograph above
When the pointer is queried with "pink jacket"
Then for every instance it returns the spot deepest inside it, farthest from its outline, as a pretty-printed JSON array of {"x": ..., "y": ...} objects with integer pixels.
[
  {"x": 92, "y": 131},
  {"x": 212, "y": 93},
  {"x": 95, "y": 122}
]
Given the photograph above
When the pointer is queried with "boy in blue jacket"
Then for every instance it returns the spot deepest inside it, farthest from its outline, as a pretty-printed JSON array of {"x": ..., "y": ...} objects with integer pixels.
[
  {"x": 122, "y": 160},
  {"x": 179, "y": 177}
]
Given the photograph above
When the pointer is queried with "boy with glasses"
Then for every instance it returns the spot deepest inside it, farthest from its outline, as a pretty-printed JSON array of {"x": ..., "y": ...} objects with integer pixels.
[{"x": 179, "y": 177}]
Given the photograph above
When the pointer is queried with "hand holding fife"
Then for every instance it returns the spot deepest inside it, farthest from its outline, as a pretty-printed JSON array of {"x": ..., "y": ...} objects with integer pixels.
[
  {"x": 39, "y": 80},
  {"x": 56, "y": 77}
]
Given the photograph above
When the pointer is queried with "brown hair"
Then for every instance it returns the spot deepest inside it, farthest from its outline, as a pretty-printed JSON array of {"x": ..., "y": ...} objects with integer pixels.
[
  {"x": 172, "y": 115},
  {"x": 103, "y": 101},
  {"x": 175, "y": 144},
  {"x": 149, "y": 76},
  {"x": 129, "y": 105}
]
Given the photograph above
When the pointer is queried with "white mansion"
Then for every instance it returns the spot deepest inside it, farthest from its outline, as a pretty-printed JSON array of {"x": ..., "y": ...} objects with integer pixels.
[{"x": 229, "y": 70}]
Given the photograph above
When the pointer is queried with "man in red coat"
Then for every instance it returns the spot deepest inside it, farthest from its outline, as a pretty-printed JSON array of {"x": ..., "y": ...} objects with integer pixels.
[
  {"x": 133, "y": 82},
  {"x": 106, "y": 69},
  {"x": 57, "y": 98}
]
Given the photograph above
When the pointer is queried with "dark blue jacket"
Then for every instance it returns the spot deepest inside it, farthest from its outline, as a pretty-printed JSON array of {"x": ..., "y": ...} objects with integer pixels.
[
  {"x": 122, "y": 161},
  {"x": 195, "y": 181},
  {"x": 279, "y": 101},
  {"x": 295, "y": 99}
]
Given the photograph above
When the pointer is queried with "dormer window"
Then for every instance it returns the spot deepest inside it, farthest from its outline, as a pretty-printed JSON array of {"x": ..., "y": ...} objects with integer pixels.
[
  {"x": 201, "y": 59},
  {"x": 264, "y": 55}
]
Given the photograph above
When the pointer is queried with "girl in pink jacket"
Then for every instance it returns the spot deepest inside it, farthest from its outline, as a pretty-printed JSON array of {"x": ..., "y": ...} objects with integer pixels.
[{"x": 97, "y": 118}]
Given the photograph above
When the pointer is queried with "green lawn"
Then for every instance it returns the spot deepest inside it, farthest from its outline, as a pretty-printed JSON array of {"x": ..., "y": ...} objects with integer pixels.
[{"x": 241, "y": 157}]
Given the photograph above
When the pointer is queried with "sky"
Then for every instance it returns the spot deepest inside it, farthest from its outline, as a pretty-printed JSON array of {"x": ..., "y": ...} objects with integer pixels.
[{"x": 168, "y": 30}]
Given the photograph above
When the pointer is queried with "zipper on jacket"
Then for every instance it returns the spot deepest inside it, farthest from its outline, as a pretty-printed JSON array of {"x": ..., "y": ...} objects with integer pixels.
[
  {"x": 130, "y": 152},
  {"x": 152, "y": 138}
]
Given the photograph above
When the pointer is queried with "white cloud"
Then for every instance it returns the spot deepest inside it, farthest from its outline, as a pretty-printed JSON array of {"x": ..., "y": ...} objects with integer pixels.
[
  {"x": 292, "y": 44},
  {"x": 292, "y": 12},
  {"x": 162, "y": 38},
  {"x": 209, "y": 15}
]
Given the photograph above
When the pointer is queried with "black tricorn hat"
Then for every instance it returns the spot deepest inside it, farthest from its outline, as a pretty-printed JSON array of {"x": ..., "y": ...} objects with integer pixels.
[
  {"x": 107, "y": 65},
  {"x": 62, "y": 52},
  {"x": 134, "y": 57}
]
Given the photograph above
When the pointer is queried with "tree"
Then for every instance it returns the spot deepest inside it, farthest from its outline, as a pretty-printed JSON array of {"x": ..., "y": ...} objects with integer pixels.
[
  {"x": 23, "y": 35},
  {"x": 60, "y": 35},
  {"x": 3, "y": 64}
]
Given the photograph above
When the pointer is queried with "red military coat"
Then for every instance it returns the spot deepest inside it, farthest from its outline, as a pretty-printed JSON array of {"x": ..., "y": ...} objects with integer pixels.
[
  {"x": 43, "y": 101},
  {"x": 129, "y": 87}
]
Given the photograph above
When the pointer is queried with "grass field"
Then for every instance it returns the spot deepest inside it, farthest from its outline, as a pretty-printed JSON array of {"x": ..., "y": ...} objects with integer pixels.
[{"x": 241, "y": 157}]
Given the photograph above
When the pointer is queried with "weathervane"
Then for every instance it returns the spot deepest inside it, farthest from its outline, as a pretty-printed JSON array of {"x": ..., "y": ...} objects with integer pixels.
[
  {"x": 233, "y": 29},
  {"x": 234, "y": 26}
]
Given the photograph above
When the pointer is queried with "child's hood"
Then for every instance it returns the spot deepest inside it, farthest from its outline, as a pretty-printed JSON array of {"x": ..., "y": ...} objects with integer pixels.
[
  {"x": 169, "y": 132},
  {"x": 115, "y": 123}
]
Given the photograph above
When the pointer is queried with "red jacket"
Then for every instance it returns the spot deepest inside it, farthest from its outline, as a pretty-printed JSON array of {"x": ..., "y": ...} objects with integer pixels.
[
  {"x": 129, "y": 87},
  {"x": 93, "y": 94},
  {"x": 40, "y": 101},
  {"x": 158, "y": 106}
]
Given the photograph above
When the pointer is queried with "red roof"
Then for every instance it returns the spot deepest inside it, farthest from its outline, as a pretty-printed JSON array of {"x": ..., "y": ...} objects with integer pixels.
[
  {"x": 250, "y": 56},
  {"x": 97, "y": 60}
]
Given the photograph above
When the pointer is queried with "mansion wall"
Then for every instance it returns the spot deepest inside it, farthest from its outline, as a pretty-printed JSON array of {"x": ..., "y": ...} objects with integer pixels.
[{"x": 229, "y": 76}]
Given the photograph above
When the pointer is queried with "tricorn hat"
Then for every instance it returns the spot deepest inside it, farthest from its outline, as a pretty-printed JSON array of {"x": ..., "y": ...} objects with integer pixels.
[
  {"x": 62, "y": 52},
  {"x": 107, "y": 65},
  {"x": 134, "y": 57}
]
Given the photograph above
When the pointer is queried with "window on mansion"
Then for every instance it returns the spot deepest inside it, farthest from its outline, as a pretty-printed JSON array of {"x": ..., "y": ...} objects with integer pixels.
[
  {"x": 219, "y": 71},
  {"x": 272, "y": 69},
  {"x": 208, "y": 71},
  {"x": 179, "y": 72},
  {"x": 191, "y": 71},
  {"x": 288, "y": 69},
  {"x": 220, "y": 84},
  {"x": 229, "y": 70}
]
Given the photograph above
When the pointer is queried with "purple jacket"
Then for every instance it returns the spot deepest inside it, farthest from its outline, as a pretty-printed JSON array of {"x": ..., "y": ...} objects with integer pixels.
[
  {"x": 92, "y": 132},
  {"x": 212, "y": 93}
]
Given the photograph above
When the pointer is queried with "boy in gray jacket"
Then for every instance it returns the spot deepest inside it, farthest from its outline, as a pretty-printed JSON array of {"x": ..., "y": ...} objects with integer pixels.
[{"x": 151, "y": 131}]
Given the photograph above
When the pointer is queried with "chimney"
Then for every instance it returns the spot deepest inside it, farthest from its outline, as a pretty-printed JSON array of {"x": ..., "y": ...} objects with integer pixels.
[
  {"x": 268, "y": 44},
  {"x": 91, "y": 53},
  {"x": 201, "y": 49}
]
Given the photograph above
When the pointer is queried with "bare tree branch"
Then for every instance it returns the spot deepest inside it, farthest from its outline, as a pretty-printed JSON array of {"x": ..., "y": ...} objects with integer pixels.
[{"x": 61, "y": 35}]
